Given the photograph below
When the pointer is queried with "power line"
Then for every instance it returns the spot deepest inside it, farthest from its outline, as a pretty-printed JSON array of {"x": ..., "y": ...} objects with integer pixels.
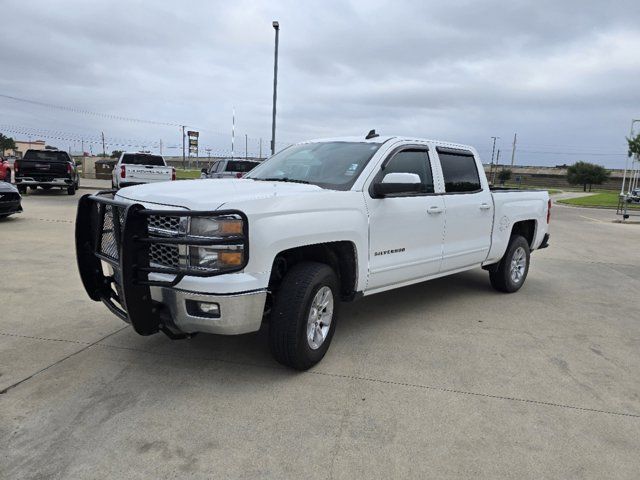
[
  {"x": 89, "y": 112},
  {"x": 112, "y": 116}
]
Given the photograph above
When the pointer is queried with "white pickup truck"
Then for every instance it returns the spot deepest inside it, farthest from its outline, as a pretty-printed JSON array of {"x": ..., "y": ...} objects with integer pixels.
[
  {"x": 139, "y": 168},
  {"x": 319, "y": 223}
]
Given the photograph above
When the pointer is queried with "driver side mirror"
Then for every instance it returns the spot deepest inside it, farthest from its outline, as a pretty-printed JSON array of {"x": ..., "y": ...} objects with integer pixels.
[
  {"x": 398, "y": 183},
  {"x": 204, "y": 170}
]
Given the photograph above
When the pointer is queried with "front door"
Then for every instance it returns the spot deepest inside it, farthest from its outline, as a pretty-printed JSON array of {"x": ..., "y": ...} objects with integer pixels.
[{"x": 405, "y": 231}]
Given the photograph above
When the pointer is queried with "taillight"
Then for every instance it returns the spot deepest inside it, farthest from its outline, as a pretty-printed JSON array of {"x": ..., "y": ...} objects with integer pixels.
[
  {"x": 548, "y": 211},
  {"x": 69, "y": 169},
  {"x": 239, "y": 175},
  {"x": 123, "y": 172},
  {"x": 15, "y": 166},
  {"x": 173, "y": 173}
]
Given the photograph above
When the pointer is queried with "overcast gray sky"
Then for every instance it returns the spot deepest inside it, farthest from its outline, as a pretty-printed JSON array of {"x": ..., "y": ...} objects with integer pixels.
[{"x": 564, "y": 75}]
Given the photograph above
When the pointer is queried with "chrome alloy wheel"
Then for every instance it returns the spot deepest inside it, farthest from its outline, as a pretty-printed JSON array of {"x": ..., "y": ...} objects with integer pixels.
[
  {"x": 320, "y": 316},
  {"x": 518, "y": 265}
]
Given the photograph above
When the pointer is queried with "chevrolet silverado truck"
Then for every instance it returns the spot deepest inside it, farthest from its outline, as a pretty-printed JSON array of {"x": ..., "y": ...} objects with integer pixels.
[
  {"x": 140, "y": 168},
  {"x": 320, "y": 223},
  {"x": 46, "y": 169}
]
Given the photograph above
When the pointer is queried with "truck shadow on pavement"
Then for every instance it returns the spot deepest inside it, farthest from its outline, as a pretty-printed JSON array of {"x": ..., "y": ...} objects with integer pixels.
[{"x": 406, "y": 308}]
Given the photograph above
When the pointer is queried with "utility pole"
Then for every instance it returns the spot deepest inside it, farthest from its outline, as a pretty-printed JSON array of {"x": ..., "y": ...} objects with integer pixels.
[
  {"x": 276, "y": 27},
  {"x": 513, "y": 150},
  {"x": 104, "y": 153},
  {"x": 246, "y": 147},
  {"x": 492, "y": 152},
  {"x": 260, "y": 154},
  {"x": 160, "y": 146},
  {"x": 233, "y": 132},
  {"x": 183, "y": 150},
  {"x": 82, "y": 146}
]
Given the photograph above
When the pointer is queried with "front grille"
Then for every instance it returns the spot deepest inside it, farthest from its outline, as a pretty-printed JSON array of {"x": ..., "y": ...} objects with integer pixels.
[
  {"x": 9, "y": 197},
  {"x": 165, "y": 223},
  {"x": 162, "y": 254},
  {"x": 159, "y": 254}
]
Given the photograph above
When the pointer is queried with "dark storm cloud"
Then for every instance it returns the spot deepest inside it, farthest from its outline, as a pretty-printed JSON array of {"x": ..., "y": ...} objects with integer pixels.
[{"x": 558, "y": 73}]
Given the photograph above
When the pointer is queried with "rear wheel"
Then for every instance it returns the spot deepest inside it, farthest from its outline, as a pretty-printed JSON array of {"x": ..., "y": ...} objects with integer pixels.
[
  {"x": 71, "y": 190},
  {"x": 512, "y": 270},
  {"x": 22, "y": 189},
  {"x": 304, "y": 313}
]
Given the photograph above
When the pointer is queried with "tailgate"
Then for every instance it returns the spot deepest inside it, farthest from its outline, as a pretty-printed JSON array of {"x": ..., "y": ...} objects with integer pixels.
[
  {"x": 35, "y": 168},
  {"x": 147, "y": 173}
]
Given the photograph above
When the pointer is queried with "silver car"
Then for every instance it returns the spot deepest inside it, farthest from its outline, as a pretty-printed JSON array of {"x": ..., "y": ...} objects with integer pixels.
[{"x": 228, "y": 168}]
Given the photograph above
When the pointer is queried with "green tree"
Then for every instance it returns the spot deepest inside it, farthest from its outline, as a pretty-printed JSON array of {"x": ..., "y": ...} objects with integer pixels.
[
  {"x": 504, "y": 175},
  {"x": 116, "y": 154},
  {"x": 6, "y": 143},
  {"x": 586, "y": 174},
  {"x": 634, "y": 145}
]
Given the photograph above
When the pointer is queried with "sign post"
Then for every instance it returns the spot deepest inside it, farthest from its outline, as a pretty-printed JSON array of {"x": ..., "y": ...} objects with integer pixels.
[{"x": 193, "y": 144}]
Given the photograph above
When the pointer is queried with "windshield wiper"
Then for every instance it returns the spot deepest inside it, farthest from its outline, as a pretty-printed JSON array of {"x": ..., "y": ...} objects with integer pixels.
[{"x": 281, "y": 179}]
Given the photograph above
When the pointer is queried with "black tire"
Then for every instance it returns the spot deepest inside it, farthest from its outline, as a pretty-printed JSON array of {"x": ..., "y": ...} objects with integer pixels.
[
  {"x": 22, "y": 190},
  {"x": 502, "y": 278},
  {"x": 292, "y": 306},
  {"x": 71, "y": 190}
]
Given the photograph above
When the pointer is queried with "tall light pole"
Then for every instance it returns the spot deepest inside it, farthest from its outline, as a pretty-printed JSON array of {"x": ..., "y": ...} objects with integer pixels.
[{"x": 276, "y": 27}]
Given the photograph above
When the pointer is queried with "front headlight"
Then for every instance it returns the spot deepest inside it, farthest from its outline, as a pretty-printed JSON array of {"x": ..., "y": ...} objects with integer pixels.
[
  {"x": 217, "y": 257},
  {"x": 216, "y": 227},
  {"x": 229, "y": 254}
]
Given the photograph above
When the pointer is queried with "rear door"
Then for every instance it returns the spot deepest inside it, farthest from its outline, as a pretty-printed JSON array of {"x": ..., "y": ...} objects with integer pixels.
[
  {"x": 469, "y": 210},
  {"x": 405, "y": 231}
]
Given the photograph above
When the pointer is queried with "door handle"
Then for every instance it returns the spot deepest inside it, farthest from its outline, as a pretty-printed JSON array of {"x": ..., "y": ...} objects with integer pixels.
[
  {"x": 485, "y": 206},
  {"x": 433, "y": 210}
]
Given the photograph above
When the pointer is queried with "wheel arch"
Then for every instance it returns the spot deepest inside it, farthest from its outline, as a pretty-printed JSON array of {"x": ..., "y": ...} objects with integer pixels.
[
  {"x": 527, "y": 229},
  {"x": 341, "y": 256}
]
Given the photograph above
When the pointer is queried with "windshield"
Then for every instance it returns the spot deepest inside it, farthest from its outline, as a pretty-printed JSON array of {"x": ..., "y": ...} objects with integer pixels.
[
  {"x": 141, "y": 159},
  {"x": 46, "y": 156},
  {"x": 332, "y": 165}
]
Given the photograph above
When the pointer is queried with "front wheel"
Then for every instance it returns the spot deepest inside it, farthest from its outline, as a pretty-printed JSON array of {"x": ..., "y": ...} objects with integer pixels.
[
  {"x": 512, "y": 270},
  {"x": 71, "y": 190},
  {"x": 304, "y": 314}
]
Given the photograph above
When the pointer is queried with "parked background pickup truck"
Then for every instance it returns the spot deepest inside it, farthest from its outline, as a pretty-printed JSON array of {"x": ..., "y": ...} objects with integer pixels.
[
  {"x": 46, "y": 169},
  {"x": 140, "y": 168},
  {"x": 319, "y": 223}
]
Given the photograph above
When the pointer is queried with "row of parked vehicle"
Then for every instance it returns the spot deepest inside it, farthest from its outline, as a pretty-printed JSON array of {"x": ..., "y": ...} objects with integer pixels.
[{"x": 47, "y": 169}]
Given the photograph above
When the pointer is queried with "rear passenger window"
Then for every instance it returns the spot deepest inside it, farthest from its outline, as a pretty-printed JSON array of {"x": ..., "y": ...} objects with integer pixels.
[
  {"x": 412, "y": 161},
  {"x": 459, "y": 170}
]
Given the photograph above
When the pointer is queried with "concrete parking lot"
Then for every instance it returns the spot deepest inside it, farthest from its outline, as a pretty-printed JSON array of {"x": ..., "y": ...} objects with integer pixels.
[{"x": 446, "y": 379}]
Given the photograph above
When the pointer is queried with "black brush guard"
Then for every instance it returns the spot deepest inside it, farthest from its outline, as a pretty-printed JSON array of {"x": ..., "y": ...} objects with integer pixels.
[{"x": 127, "y": 292}]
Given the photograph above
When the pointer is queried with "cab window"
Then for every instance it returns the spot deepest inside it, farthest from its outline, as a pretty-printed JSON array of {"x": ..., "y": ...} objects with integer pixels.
[{"x": 411, "y": 161}]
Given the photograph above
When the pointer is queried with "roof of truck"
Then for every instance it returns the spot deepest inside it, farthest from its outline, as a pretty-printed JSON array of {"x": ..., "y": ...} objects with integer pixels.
[{"x": 385, "y": 138}]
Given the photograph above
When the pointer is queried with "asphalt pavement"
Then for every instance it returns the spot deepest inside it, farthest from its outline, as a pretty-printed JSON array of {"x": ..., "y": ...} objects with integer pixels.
[{"x": 446, "y": 379}]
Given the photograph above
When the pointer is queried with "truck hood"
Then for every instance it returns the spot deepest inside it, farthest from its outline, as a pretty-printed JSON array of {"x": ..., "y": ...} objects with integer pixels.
[{"x": 212, "y": 194}]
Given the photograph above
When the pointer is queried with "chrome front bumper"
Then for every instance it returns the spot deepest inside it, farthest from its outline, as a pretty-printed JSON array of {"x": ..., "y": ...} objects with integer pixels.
[{"x": 239, "y": 312}]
